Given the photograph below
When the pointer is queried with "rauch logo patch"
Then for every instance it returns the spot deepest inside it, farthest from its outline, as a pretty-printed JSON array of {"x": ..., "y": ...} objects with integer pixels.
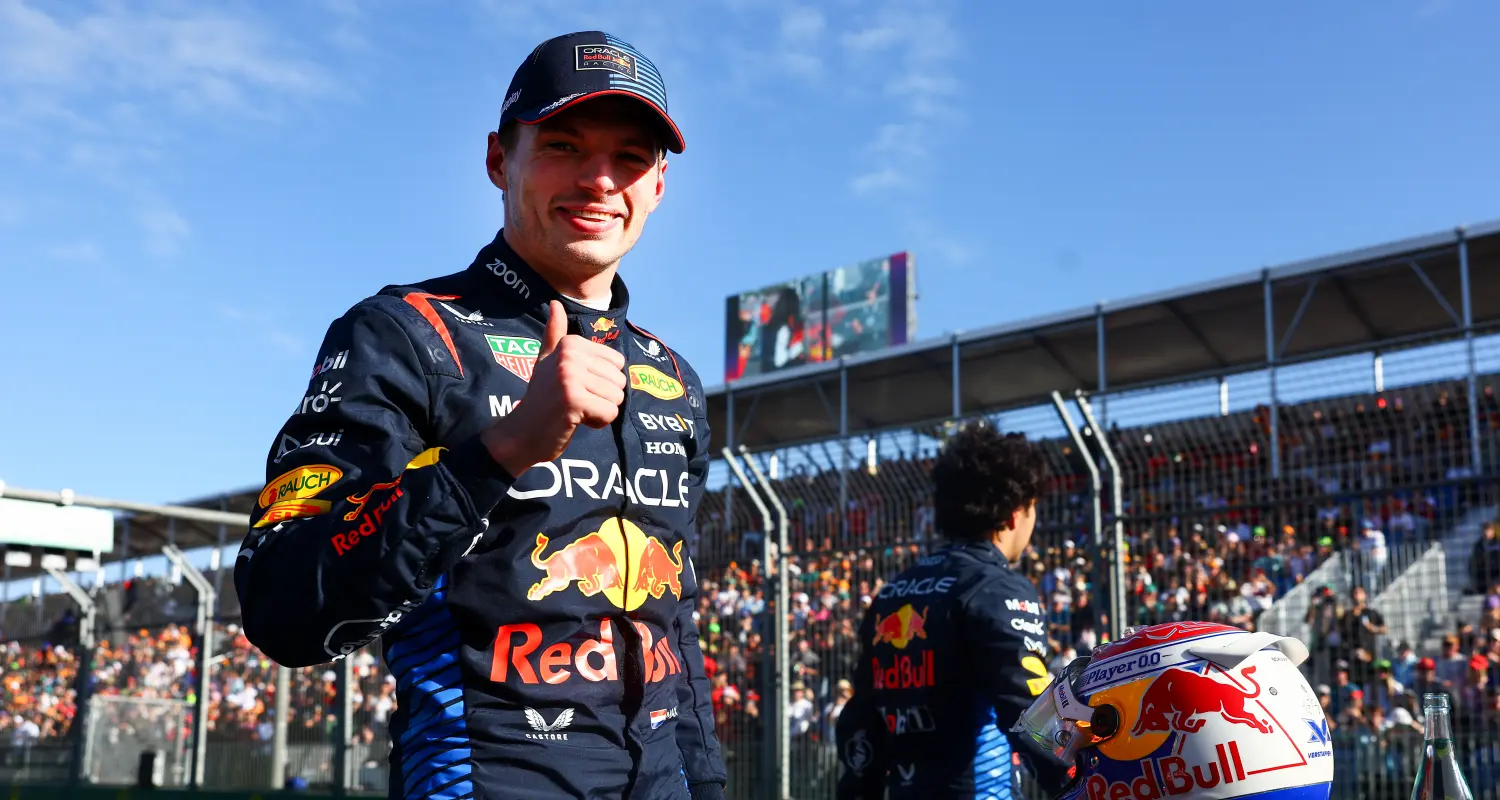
[
  {"x": 653, "y": 382},
  {"x": 299, "y": 483}
]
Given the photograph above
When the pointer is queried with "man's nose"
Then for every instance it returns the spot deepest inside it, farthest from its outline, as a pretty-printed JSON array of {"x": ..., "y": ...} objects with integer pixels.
[{"x": 596, "y": 174}]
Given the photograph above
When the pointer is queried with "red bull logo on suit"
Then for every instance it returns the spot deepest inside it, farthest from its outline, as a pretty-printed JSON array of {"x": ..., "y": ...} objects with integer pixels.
[{"x": 618, "y": 561}]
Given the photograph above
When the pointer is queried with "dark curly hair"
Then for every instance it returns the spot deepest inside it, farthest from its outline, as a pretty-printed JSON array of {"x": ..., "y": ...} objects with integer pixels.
[{"x": 981, "y": 479}]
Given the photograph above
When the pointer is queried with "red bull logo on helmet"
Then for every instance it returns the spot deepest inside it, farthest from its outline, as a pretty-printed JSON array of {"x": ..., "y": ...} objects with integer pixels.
[
  {"x": 618, "y": 561},
  {"x": 1180, "y": 700},
  {"x": 1172, "y": 776}
]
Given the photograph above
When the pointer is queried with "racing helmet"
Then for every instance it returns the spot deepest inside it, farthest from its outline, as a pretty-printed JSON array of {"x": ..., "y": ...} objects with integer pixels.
[{"x": 1193, "y": 710}]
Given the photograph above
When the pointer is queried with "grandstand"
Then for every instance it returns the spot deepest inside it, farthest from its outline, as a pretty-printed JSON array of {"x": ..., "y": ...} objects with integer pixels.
[{"x": 1310, "y": 449}]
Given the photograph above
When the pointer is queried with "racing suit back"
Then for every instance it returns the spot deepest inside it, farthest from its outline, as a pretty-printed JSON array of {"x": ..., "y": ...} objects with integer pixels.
[
  {"x": 952, "y": 651},
  {"x": 540, "y": 629}
]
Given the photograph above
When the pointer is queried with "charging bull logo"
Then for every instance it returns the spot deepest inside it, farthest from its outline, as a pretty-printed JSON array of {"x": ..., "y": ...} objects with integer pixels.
[
  {"x": 610, "y": 560},
  {"x": 1179, "y": 699},
  {"x": 901, "y": 627}
]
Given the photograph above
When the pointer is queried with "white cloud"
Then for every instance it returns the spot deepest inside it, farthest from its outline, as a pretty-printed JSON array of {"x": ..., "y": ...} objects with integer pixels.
[
  {"x": 195, "y": 60},
  {"x": 165, "y": 231},
  {"x": 84, "y": 252},
  {"x": 104, "y": 91},
  {"x": 878, "y": 180},
  {"x": 802, "y": 25},
  {"x": 10, "y": 211},
  {"x": 915, "y": 44},
  {"x": 282, "y": 340}
]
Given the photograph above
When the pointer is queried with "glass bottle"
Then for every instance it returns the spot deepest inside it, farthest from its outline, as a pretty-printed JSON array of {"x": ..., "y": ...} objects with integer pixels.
[{"x": 1439, "y": 778}]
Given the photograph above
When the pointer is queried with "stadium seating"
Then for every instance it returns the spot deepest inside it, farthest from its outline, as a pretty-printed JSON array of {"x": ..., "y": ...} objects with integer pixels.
[{"x": 1375, "y": 517}]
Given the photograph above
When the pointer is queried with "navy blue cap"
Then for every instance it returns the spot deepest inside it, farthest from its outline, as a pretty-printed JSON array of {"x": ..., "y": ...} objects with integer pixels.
[{"x": 575, "y": 67}]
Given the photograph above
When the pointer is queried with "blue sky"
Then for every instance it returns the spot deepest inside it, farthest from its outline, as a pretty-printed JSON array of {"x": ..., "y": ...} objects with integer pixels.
[{"x": 190, "y": 192}]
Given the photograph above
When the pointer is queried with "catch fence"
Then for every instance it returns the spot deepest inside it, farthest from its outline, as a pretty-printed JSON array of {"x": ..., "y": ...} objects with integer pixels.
[{"x": 1360, "y": 526}]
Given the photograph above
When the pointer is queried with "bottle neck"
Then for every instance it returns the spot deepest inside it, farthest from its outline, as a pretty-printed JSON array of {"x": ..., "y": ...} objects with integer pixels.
[{"x": 1438, "y": 726}]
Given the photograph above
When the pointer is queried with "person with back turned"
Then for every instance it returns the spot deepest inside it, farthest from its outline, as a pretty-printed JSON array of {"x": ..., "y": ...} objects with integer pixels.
[
  {"x": 955, "y": 648},
  {"x": 496, "y": 472}
]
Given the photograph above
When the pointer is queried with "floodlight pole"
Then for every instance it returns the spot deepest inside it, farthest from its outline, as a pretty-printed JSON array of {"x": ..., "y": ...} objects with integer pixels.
[
  {"x": 207, "y": 601},
  {"x": 1117, "y": 490},
  {"x": 1096, "y": 491},
  {"x": 783, "y": 697},
  {"x": 776, "y": 755},
  {"x": 84, "y": 680}
]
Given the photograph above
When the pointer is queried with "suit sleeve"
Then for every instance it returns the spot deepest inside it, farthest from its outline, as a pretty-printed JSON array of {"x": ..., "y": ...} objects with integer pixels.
[
  {"x": 702, "y": 758},
  {"x": 360, "y": 516},
  {"x": 860, "y": 731},
  {"x": 1006, "y": 637}
]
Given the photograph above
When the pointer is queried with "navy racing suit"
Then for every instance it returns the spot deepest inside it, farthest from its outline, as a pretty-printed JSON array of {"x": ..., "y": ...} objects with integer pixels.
[
  {"x": 953, "y": 650},
  {"x": 540, "y": 629}
]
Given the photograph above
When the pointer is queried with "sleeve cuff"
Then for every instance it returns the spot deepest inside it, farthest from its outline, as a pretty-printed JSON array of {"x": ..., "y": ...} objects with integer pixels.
[
  {"x": 708, "y": 790},
  {"x": 484, "y": 480}
]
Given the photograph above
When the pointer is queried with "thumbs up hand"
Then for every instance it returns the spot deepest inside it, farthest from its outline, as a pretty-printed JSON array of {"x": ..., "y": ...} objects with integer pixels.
[{"x": 575, "y": 382}]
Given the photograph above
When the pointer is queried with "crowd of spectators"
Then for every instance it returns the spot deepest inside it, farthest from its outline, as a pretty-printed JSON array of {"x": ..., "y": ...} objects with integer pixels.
[{"x": 1209, "y": 533}]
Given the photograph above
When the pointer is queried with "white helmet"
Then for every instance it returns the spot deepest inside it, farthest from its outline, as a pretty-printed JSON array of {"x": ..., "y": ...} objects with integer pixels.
[{"x": 1193, "y": 710}]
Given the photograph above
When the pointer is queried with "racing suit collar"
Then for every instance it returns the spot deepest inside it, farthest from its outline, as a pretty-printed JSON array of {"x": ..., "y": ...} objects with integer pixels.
[
  {"x": 984, "y": 551},
  {"x": 497, "y": 265}
]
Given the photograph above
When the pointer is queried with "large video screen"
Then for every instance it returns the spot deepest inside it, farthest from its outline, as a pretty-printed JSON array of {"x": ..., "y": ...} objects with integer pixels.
[{"x": 851, "y": 309}]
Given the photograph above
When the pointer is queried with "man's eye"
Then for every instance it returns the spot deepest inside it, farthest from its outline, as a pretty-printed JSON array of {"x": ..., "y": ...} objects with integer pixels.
[{"x": 563, "y": 146}]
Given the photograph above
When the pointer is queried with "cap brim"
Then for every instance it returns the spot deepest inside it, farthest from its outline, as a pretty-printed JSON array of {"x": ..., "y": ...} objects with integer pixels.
[{"x": 675, "y": 141}]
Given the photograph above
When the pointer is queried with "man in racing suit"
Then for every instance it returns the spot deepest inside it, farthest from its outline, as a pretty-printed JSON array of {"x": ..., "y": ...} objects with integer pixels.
[
  {"x": 954, "y": 648},
  {"x": 496, "y": 472}
]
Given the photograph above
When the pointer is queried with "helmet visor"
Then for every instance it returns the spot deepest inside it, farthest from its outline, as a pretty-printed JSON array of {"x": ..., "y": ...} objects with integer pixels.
[{"x": 1057, "y": 720}]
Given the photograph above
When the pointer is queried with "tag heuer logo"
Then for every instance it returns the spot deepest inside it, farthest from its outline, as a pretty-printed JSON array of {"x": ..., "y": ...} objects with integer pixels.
[
  {"x": 515, "y": 354},
  {"x": 543, "y": 729}
]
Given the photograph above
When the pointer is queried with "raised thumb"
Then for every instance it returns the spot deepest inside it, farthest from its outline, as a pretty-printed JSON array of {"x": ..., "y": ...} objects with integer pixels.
[{"x": 557, "y": 328}]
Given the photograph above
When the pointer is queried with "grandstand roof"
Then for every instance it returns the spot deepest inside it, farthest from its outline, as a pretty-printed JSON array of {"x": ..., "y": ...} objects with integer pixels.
[{"x": 1386, "y": 297}]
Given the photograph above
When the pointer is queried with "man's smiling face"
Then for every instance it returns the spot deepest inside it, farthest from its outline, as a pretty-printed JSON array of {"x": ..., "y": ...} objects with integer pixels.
[{"x": 579, "y": 185}]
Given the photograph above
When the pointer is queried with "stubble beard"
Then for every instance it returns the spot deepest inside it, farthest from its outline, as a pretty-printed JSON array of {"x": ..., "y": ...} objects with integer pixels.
[{"x": 550, "y": 249}]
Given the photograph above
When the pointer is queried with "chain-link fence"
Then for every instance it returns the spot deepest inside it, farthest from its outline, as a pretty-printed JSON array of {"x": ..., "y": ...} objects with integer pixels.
[{"x": 1359, "y": 521}]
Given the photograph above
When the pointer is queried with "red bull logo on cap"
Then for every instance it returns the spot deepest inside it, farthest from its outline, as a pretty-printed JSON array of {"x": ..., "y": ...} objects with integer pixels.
[
  {"x": 618, "y": 561},
  {"x": 901, "y": 627}
]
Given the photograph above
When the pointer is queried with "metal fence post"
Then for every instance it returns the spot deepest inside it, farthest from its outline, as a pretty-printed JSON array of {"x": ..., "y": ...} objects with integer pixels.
[
  {"x": 84, "y": 680},
  {"x": 729, "y": 438},
  {"x": 843, "y": 452},
  {"x": 1117, "y": 609},
  {"x": 1468, "y": 304},
  {"x": 776, "y": 757},
  {"x": 1102, "y": 572},
  {"x": 1271, "y": 358},
  {"x": 278, "y": 735},
  {"x": 783, "y": 690},
  {"x": 343, "y": 764},
  {"x": 207, "y": 601}
]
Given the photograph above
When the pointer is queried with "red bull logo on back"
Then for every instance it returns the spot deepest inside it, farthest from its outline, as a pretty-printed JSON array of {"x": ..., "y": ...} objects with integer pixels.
[
  {"x": 608, "y": 561},
  {"x": 901, "y": 627}
]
